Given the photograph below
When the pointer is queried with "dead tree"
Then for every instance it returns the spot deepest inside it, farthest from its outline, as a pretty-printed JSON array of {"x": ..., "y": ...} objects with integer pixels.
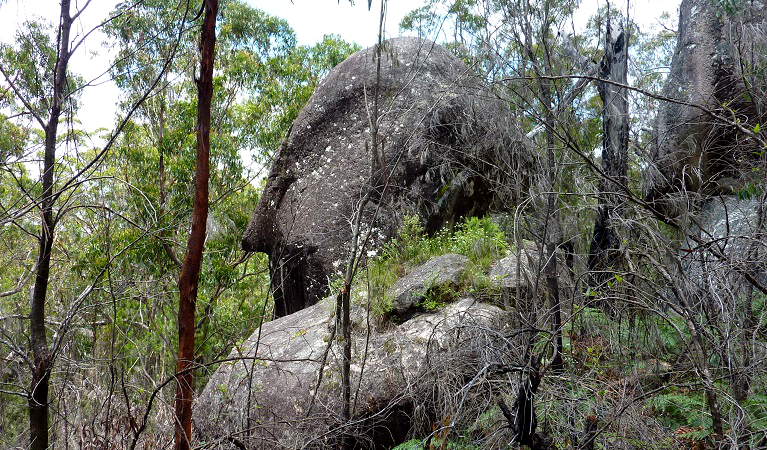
[
  {"x": 604, "y": 253},
  {"x": 521, "y": 417}
]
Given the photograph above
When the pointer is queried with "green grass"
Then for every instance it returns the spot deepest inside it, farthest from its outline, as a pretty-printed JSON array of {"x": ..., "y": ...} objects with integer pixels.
[{"x": 479, "y": 239}]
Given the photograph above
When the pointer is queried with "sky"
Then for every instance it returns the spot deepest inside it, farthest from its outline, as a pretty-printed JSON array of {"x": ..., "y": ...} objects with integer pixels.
[{"x": 310, "y": 19}]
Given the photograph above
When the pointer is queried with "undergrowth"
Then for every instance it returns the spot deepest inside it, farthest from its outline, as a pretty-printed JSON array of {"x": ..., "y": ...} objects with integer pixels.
[
  {"x": 479, "y": 239},
  {"x": 636, "y": 363}
]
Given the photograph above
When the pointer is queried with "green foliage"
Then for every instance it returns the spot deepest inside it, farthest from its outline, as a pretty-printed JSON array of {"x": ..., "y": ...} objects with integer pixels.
[
  {"x": 28, "y": 62},
  {"x": 728, "y": 7},
  {"x": 749, "y": 191},
  {"x": 463, "y": 26},
  {"x": 413, "y": 444},
  {"x": 668, "y": 333},
  {"x": 262, "y": 80},
  {"x": 759, "y": 309},
  {"x": 448, "y": 444},
  {"x": 13, "y": 140},
  {"x": 13, "y": 416},
  {"x": 120, "y": 226},
  {"x": 284, "y": 85},
  {"x": 680, "y": 407},
  {"x": 123, "y": 226},
  {"x": 480, "y": 239},
  {"x": 756, "y": 406},
  {"x": 435, "y": 297}
]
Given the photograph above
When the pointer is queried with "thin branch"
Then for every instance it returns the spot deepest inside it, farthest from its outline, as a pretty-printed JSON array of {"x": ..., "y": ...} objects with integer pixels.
[
  {"x": 20, "y": 285},
  {"x": 24, "y": 100}
]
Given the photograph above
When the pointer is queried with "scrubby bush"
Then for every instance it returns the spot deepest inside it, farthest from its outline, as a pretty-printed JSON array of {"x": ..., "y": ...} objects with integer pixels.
[{"x": 479, "y": 239}]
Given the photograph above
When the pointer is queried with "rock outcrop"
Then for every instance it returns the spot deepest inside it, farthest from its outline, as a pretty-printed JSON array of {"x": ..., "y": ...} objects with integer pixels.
[
  {"x": 269, "y": 396},
  {"x": 520, "y": 273},
  {"x": 449, "y": 148},
  {"x": 736, "y": 247},
  {"x": 440, "y": 273},
  {"x": 698, "y": 148},
  {"x": 517, "y": 271}
]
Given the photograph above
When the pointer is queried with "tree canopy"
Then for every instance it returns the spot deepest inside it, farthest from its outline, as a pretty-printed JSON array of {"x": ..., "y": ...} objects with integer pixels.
[{"x": 643, "y": 322}]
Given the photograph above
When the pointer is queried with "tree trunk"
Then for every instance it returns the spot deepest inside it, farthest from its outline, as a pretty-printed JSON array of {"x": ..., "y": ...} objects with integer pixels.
[
  {"x": 604, "y": 254},
  {"x": 190, "y": 272},
  {"x": 552, "y": 239},
  {"x": 43, "y": 360},
  {"x": 552, "y": 225}
]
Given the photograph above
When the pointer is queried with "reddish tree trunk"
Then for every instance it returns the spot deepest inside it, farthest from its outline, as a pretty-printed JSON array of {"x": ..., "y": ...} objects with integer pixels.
[{"x": 190, "y": 272}]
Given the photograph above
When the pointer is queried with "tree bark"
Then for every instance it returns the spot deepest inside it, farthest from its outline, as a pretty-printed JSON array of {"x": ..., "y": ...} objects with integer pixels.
[
  {"x": 190, "y": 273},
  {"x": 552, "y": 238},
  {"x": 521, "y": 418},
  {"x": 604, "y": 254},
  {"x": 43, "y": 360}
]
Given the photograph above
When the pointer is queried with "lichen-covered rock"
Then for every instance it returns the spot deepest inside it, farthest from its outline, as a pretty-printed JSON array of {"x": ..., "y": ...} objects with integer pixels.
[
  {"x": 517, "y": 271},
  {"x": 435, "y": 274},
  {"x": 273, "y": 401},
  {"x": 713, "y": 66},
  {"x": 447, "y": 145},
  {"x": 737, "y": 244}
]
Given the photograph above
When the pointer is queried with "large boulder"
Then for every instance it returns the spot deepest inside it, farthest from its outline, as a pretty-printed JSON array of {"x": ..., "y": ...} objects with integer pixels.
[
  {"x": 270, "y": 396},
  {"x": 448, "y": 144},
  {"x": 715, "y": 70},
  {"x": 519, "y": 270},
  {"x": 726, "y": 246},
  {"x": 521, "y": 274}
]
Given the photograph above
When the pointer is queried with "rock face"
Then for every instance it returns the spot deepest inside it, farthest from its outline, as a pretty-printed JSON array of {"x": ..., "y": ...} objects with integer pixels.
[
  {"x": 275, "y": 401},
  {"x": 711, "y": 67},
  {"x": 517, "y": 271},
  {"x": 733, "y": 228},
  {"x": 446, "y": 145},
  {"x": 521, "y": 272},
  {"x": 441, "y": 272}
]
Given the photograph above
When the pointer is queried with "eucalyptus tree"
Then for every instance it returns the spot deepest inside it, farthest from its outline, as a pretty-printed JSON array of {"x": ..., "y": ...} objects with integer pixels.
[
  {"x": 37, "y": 73},
  {"x": 119, "y": 210},
  {"x": 190, "y": 270},
  {"x": 262, "y": 79},
  {"x": 44, "y": 96}
]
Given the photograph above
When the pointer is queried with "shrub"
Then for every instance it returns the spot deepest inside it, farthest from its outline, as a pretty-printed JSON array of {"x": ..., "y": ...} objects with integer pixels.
[{"x": 480, "y": 239}]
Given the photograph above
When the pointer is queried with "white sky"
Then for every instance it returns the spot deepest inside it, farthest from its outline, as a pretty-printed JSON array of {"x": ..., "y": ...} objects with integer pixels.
[{"x": 310, "y": 19}]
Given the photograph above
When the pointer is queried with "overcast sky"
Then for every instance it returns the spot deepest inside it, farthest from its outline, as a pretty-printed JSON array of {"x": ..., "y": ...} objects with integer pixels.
[{"x": 310, "y": 19}]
